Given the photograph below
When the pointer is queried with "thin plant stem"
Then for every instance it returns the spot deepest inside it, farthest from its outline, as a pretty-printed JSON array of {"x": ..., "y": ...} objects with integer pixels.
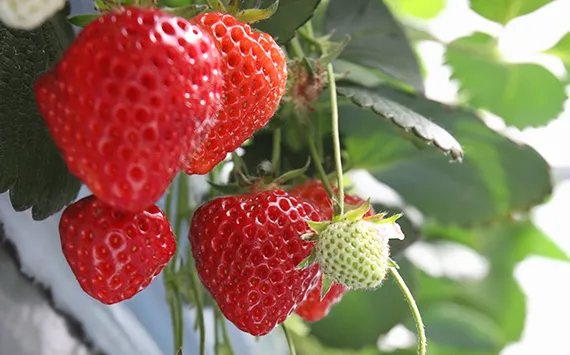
[
  {"x": 297, "y": 48},
  {"x": 422, "y": 340},
  {"x": 275, "y": 159},
  {"x": 336, "y": 137},
  {"x": 290, "y": 343},
  {"x": 194, "y": 283},
  {"x": 319, "y": 164}
]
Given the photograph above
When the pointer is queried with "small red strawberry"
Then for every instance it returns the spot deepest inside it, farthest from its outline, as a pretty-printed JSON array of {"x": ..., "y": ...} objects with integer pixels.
[
  {"x": 313, "y": 308},
  {"x": 255, "y": 74},
  {"x": 247, "y": 248},
  {"x": 113, "y": 254},
  {"x": 135, "y": 91}
]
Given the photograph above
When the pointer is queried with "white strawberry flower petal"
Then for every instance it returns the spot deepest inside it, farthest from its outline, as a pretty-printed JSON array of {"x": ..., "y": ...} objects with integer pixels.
[
  {"x": 28, "y": 14},
  {"x": 390, "y": 230}
]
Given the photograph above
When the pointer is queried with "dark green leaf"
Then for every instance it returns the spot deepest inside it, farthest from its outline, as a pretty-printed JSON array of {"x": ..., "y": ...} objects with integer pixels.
[
  {"x": 497, "y": 176},
  {"x": 409, "y": 121},
  {"x": 377, "y": 40},
  {"x": 82, "y": 20},
  {"x": 512, "y": 93},
  {"x": 461, "y": 327},
  {"x": 502, "y": 11},
  {"x": 30, "y": 164},
  {"x": 290, "y": 15},
  {"x": 362, "y": 316},
  {"x": 417, "y": 8}
]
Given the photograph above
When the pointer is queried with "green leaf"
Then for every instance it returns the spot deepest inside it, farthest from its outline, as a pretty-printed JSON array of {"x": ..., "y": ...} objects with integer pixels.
[
  {"x": 562, "y": 51},
  {"x": 290, "y": 15},
  {"x": 417, "y": 8},
  {"x": 502, "y": 11},
  {"x": 362, "y": 316},
  {"x": 461, "y": 327},
  {"x": 404, "y": 118},
  {"x": 497, "y": 176},
  {"x": 82, "y": 20},
  {"x": 377, "y": 39},
  {"x": 30, "y": 164},
  {"x": 512, "y": 93}
]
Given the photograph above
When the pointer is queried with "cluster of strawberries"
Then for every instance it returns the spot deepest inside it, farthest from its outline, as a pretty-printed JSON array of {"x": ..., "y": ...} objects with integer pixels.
[{"x": 141, "y": 95}]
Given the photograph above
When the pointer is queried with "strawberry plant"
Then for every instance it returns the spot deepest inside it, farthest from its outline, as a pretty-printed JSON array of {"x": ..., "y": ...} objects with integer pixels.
[{"x": 278, "y": 105}]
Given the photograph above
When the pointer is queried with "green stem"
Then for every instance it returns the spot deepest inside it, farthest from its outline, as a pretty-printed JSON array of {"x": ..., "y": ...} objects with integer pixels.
[
  {"x": 290, "y": 343},
  {"x": 319, "y": 164},
  {"x": 199, "y": 306},
  {"x": 224, "y": 328},
  {"x": 173, "y": 296},
  {"x": 297, "y": 48},
  {"x": 216, "y": 332},
  {"x": 336, "y": 137},
  {"x": 422, "y": 340},
  {"x": 275, "y": 159}
]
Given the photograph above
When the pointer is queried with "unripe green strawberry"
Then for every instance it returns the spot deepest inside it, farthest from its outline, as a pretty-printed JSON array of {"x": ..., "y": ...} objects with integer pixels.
[
  {"x": 352, "y": 250},
  {"x": 354, "y": 253}
]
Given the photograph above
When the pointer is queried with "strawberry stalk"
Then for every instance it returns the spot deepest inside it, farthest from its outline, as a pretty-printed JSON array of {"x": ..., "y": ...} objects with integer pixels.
[
  {"x": 289, "y": 339},
  {"x": 339, "y": 207},
  {"x": 422, "y": 339}
]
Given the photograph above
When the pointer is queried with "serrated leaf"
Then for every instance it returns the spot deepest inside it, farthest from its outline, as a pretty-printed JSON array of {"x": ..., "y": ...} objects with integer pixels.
[
  {"x": 406, "y": 119},
  {"x": 362, "y": 316},
  {"x": 290, "y": 15},
  {"x": 497, "y": 175},
  {"x": 502, "y": 11},
  {"x": 377, "y": 39},
  {"x": 522, "y": 94},
  {"x": 30, "y": 164}
]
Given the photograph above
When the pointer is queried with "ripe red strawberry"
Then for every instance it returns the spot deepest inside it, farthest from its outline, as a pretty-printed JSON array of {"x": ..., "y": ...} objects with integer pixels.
[
  {"x": 134, "y": 92},
  {"x": 114, "y": 255},
  {"x": 313, "y": 308},
  {"x": 255, "y": 74},
  {"x": 246, "y": 249}
]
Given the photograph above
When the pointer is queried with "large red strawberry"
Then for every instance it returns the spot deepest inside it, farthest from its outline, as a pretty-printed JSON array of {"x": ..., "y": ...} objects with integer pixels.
[
  {"x": 313, "y": 308},
  {"x": 247, "y": 248},
  {"x": 134, "y": 92},
  {"x": 113, "y": 254},
  {"x": 255, "y": 74}
]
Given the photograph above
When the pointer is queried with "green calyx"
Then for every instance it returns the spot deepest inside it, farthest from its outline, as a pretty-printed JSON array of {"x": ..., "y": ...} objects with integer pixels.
[{"x": 243, "y": 15}]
